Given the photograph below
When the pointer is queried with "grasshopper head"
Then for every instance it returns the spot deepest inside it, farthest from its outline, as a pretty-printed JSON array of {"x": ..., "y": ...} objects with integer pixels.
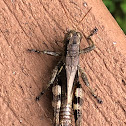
[{"x": 73, "y": 37}]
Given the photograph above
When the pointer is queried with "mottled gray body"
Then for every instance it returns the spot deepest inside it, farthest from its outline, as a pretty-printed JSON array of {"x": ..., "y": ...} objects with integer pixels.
[
  {"x": 71, "y": 61},
  {"x": 67, "y": 91}
]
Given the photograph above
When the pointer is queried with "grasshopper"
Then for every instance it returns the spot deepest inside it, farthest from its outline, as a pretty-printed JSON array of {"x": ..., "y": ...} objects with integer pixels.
[{"x": 67, "y": 90}]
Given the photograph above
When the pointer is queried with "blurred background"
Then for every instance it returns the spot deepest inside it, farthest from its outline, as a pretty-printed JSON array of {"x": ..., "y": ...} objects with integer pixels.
[{"x": 118, "y": 10}]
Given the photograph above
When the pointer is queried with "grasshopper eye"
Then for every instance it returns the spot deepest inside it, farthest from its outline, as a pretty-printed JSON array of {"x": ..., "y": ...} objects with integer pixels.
[
  {"x": 79, "y": 35},
  {"x": 70, "y": 35}
]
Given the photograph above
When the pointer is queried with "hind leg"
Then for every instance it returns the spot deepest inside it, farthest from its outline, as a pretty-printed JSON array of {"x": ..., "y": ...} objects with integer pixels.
[
  {"x": 56, "y": 103},
  {"x": 77, "y": 104}
]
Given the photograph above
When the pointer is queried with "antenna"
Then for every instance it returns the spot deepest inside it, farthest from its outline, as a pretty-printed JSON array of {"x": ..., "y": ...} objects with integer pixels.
[
  {"x": 84, "y": 16},
  {"x": 69, "y": 17}
]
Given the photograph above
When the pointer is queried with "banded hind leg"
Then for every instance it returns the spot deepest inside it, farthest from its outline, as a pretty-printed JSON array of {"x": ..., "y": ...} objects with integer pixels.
[
  {"x": 77, "y": 104},
  {"x": 56, "y": 103}
]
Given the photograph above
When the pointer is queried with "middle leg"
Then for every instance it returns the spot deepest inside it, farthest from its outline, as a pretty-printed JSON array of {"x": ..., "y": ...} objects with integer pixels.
[
  {"x": 84, "y": 78},
  {"x": 46, "y": 52},
  {"x": 54, "y": 74}
]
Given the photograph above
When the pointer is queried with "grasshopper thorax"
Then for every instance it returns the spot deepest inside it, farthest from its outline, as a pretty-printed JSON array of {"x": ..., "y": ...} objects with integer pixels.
[{"x": 72, "y": 41}]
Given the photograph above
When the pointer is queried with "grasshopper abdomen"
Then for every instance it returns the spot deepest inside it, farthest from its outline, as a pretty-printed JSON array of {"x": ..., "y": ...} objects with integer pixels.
[{"x": 66, "y": 113}]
